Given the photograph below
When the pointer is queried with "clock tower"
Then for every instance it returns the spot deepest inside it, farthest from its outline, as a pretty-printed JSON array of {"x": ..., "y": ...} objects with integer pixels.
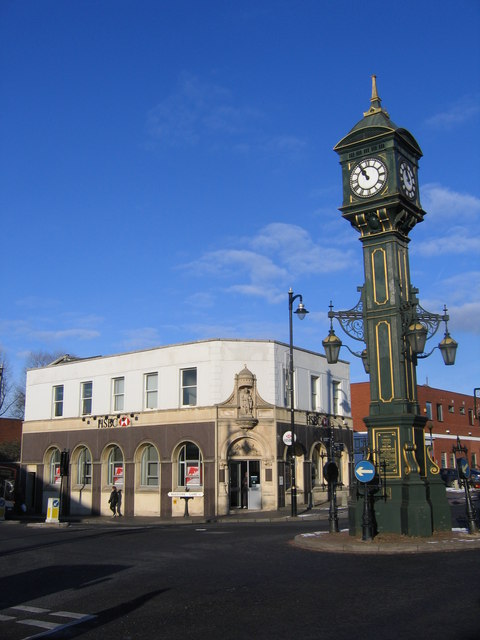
[{"x": 381, "y": 200}]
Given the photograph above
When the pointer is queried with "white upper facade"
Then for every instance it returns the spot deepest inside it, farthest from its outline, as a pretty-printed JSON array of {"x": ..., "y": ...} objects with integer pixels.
[{"x": 180, "y": 376}]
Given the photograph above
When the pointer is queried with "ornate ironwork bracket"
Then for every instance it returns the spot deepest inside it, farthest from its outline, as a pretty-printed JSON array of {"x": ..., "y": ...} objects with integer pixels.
[{"x": 351, "y": 321}]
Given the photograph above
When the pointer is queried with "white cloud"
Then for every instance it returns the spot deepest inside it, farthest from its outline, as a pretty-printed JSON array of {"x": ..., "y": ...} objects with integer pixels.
[
  {"x": 458, "y": 241},
  {"x": 463, "y": 286},
  {"x": 276, "y": 255},
  {"x": 201, "y": 300},
  {"x": 455, "y": 229},
  {"x": 37, "y": 302},
  {"x": 294, "y": 246},
  {"x": 442, "y": 202},
  {"x": 464, "y": 317},
  {"x": 140, "y": 338},
  {"x": 196, "y": 110},
  {"x": 273, "y": 295},
  {"x": 465, "y": 109},
  {"x": 199, "y": 112},
  {"x": 63, "y": 334},
  {"x": 292, "y": 145},
  {"x": 226, "y": 263}
]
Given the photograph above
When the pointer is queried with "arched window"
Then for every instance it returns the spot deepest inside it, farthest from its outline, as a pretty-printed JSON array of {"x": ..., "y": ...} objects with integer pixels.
[
  {"x": 54, "y": 464},
  {"x": 115, "y": 466},
  {"x": 190, "y": 466},
  {"x": 84, "y": 468},
  {"x": 149, "y": 467}
]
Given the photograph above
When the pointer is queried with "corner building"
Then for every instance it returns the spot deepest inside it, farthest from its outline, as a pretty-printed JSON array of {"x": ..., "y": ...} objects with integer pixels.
[{"x": 201, "y": 416}]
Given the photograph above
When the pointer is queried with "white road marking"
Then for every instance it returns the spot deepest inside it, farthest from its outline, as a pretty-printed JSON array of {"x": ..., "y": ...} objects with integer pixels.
[
  {"x": 22, "y": 607},
  {"x": 67, "y": 614},
  {"x": 39, "y": 623}
]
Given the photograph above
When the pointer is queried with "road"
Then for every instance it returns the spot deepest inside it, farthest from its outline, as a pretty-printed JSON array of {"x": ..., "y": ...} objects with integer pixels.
[{"x": 224, "y": 581}]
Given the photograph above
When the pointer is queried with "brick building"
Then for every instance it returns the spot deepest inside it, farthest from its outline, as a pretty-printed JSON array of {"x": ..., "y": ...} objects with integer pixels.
[
  {"x": 449, "y": 414},
  {"x": 10, "y": 439}
]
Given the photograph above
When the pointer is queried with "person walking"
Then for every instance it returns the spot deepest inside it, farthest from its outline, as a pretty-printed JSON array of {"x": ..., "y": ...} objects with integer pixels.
[
  {"x": 113, "y": 501},
  {"x": 245, "y": 491}
]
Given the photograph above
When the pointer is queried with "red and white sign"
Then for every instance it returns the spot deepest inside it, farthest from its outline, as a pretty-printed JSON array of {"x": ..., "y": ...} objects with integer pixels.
[
  {"x": 124, "y": 421},
  {"x": 193, "y": 475},
  {"x": 118, "y": 475},
  {"x": 287, "y": 438}
]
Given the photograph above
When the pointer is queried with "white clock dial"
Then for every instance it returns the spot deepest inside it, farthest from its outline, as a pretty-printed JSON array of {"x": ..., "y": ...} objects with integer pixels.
[
  {"x": 407, "y": 180},
  {"x": 368, "y": 177}
]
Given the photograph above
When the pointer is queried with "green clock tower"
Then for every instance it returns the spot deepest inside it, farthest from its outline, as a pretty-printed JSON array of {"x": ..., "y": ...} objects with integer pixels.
[{"x": 381, "y": 200}]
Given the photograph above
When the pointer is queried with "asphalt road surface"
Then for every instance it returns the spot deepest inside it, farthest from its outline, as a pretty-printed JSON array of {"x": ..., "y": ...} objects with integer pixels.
[{"x": 225, "y": 581}]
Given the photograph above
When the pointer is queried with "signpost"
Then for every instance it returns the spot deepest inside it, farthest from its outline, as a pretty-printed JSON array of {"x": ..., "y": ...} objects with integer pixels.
[
  {"x": 185, "y": 495},
  {"x": 463, "y": 476},
  {"x": 365, "y": 473}
]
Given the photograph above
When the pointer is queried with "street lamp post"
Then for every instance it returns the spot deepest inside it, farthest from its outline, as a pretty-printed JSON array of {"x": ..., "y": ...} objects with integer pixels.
[{"x": 301, "y": 312}]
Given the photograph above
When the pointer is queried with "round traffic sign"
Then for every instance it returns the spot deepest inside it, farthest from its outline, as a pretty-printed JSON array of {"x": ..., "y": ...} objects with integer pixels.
[
  {"x": 364, "y": 471},
  {"x": 330, "y": 471},
  {"x": 287, "y": 438}
]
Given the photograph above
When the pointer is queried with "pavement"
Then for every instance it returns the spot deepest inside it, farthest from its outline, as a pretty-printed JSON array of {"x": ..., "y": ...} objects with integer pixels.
[{"x": 388, "y": 544}]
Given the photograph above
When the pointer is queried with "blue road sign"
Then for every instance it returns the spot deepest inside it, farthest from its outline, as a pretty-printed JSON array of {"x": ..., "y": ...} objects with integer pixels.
[
  {"x": 463, "y": 468},
  {"x": 364, "y": 471}
]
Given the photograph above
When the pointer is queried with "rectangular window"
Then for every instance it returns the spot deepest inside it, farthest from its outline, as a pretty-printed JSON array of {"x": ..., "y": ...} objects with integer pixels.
[
  {"x": 151, "y": 391},
  {"x": 314, "y": 393},
  {"x": 58, "y": 401},
  {"x": 453, "y": 462},
  {"x": 451, "y": 408},
  {"x": 118, "y": 394},
  {"x": 428, "y": 410},
  {"x": 189, "y": 387},
  {"x": 474, "y": 460},
  {"x": 462, "y": 411},
  {"x": 439, "y": 412},
  {"x": 444, "y": 460},
  {"x": 86, "y": 398},
  {"x": 336, "y": 398},
  {"x": 470, "y": 417}
]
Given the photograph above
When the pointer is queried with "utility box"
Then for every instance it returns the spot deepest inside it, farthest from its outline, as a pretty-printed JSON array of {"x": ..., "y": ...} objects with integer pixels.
[{"x": 53, "y": 510}]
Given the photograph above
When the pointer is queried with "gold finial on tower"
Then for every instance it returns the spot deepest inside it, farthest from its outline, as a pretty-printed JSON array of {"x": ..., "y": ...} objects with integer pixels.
[{"x": 375, "y": 102}]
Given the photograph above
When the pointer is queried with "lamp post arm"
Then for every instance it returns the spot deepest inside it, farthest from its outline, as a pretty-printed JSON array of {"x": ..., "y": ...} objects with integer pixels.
[
  {"x": 354, "y": 353},
  {"x": 351, "y": 321}
]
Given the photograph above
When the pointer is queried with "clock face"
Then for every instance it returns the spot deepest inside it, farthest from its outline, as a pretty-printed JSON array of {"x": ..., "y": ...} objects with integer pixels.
[
  {"x": 368, "y": 177},
  {"x": 407, "y": 180}
]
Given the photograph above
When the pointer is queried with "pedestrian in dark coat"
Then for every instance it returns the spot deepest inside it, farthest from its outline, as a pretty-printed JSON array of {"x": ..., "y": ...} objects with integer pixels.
[{"x": 113, "y": 501}]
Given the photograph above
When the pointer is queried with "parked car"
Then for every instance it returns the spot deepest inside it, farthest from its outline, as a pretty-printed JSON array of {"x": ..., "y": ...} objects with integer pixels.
[
  {"x": 474, "y": 478},
  {"x": 449, "y": 476}
]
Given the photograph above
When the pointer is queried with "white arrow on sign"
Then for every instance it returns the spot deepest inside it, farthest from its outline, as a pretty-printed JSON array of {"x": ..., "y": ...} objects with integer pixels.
[{"x": 361, "y": 471}]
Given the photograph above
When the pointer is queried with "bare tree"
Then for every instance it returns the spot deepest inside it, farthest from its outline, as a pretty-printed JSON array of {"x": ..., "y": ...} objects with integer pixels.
[
  {"x": 7, "y": 387},
  {"x": 14, "y": 393}
]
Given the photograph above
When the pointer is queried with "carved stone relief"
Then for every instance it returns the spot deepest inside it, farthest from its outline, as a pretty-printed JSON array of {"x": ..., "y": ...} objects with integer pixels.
[{"x": 244, "y": 403}]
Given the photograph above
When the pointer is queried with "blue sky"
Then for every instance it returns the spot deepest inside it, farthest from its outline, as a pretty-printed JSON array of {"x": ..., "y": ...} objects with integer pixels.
[{"x": 167, "y": 168}]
